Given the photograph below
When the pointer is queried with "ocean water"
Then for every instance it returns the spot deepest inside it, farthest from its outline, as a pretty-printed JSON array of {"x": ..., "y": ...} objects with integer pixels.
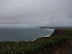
[{"x": 24, "y": 34}]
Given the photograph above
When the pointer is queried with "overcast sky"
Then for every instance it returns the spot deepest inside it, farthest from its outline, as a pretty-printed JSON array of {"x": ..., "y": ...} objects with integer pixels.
[{"x": 36, "y": 12}]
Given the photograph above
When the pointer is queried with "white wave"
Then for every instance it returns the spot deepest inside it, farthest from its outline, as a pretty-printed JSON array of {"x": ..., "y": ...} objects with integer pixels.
[{"x": 47, "y": 35}]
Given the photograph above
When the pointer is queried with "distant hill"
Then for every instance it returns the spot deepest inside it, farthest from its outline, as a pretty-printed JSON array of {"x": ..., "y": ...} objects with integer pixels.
[{"x": 58, "y": 27}]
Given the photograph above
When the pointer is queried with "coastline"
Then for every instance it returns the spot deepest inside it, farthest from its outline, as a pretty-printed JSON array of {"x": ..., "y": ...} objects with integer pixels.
[{"x": 60, "y": 42}]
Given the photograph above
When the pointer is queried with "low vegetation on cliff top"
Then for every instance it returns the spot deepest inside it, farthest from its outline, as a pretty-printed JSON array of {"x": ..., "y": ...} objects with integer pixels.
[{"x": 59, "y": 43}]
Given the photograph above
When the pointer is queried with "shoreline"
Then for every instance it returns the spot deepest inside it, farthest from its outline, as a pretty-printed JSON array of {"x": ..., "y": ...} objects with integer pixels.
[{"x": 60, "y": 42}]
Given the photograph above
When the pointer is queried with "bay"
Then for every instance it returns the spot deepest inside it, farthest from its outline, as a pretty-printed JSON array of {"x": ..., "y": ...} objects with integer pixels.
[{"x": 23, "y": 34}]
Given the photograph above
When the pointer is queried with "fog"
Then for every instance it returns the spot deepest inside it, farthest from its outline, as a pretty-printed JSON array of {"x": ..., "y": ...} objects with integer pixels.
[{"x": 36, "y": 12}]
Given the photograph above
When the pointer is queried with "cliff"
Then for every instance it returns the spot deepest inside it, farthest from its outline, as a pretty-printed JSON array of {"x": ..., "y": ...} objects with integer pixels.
[
  {"x": 60, "y": 42},
  {"x": 59, "y": 32}
]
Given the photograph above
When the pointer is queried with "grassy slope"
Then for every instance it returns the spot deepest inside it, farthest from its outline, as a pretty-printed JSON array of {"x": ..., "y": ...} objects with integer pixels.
[{"x": 60, "y": 42}]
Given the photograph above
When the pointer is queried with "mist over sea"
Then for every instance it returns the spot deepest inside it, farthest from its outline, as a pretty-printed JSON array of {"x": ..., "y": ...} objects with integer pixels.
[{"x": 23, "y": 34}]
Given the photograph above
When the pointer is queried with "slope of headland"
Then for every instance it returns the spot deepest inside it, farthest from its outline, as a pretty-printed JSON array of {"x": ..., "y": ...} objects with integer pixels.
[{"x": 60, "y": 42}]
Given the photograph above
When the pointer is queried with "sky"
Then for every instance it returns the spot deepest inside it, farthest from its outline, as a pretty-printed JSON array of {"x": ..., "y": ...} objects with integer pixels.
[{"x": 36, "y": 12}]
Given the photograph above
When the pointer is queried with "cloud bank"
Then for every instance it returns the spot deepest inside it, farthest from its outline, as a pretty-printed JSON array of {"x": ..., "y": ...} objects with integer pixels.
[{"x": 36, "y": 12}]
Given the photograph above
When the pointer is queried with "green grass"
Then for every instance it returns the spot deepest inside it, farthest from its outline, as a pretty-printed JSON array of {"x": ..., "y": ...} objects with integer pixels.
[{"x": 34, "y": 47}]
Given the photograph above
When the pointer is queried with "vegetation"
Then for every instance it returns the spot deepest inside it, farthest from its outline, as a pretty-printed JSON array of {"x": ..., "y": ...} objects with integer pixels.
[{"x": 59, "y": 43}]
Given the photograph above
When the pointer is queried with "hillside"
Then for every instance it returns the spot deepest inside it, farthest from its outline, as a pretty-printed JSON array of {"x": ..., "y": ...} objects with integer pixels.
[{"x": 60, "y": 42}]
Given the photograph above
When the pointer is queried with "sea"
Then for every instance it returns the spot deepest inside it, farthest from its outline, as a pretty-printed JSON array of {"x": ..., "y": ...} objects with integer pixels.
[{"x": 24, "y": 34}]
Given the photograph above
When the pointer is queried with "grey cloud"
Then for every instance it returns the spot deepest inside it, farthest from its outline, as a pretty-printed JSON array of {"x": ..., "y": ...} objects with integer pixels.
[{"x": 36, "y": 12}]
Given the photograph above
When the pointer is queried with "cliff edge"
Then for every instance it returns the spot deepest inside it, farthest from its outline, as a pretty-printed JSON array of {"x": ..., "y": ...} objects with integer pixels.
[{"x": 59, "y": 32}]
